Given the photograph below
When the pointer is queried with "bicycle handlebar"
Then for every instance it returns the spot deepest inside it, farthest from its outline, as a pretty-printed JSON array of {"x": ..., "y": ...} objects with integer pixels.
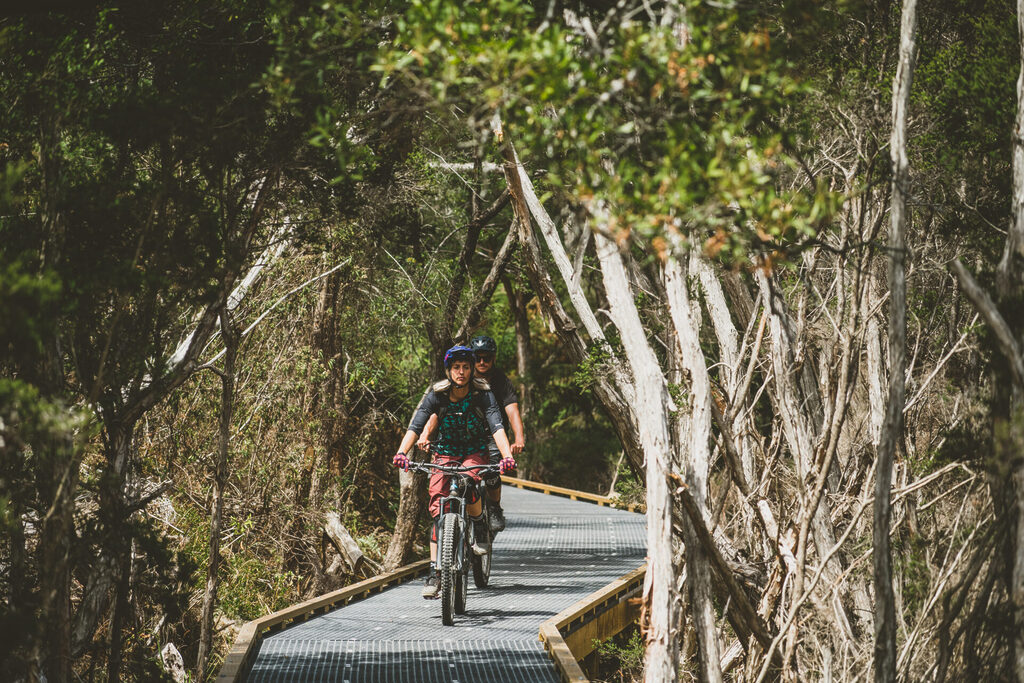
[{"x": 451, "y": 468}]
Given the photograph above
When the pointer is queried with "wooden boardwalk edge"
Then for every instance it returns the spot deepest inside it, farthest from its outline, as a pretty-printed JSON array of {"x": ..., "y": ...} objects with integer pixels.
[
  {"x": 237, "y": 661},
  {"x": 572, "y": 494},
  {"x": 569, "y": 636}
]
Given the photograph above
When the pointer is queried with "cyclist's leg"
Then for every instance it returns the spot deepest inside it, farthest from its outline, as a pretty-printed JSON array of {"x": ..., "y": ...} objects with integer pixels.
[
  {"x": 474, "y": 505},
  {"x": 493, "y": 485},
  {"x": 432, "y": 581},
  {"x": 474, "y": 501},
  {"x": 493, "y": 482}
]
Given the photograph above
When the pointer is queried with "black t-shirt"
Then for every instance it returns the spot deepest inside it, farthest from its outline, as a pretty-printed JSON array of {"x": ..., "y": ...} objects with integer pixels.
[{"x": 504, "y": 393}]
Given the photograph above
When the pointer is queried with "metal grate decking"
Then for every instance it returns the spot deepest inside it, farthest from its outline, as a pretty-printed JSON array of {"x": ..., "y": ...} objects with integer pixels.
[{"x": 554, "y": 552}]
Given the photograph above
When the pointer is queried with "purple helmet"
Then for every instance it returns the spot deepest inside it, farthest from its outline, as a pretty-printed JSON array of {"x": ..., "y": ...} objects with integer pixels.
[{"x": 458, "y": 353}]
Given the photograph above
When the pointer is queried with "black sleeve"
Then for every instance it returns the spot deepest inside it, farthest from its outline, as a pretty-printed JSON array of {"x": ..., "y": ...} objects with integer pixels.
[
  {"x": 491, "y": 411},
  {"x": 427, "y": 407},
  {"x": 504, "y": 392}
]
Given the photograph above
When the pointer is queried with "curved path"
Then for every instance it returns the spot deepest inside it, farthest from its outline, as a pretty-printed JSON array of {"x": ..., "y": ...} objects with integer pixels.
[{"x": 554, "y": 552}]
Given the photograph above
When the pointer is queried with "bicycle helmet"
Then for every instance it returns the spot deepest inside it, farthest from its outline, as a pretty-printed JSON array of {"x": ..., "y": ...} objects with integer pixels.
[
  {"x": 483, "y": 344},
  {"x": 458, "y": 353}
]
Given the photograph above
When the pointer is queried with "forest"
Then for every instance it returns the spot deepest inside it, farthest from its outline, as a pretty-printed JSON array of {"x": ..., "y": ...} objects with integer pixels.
[{"x": 758, "y": 267}]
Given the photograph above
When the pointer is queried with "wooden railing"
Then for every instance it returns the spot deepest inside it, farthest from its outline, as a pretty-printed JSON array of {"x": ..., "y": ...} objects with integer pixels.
[
  {"x": 570, "y": 635},
  {"x": 570, "y": 493},
  {"x": 237, "y": 662}
]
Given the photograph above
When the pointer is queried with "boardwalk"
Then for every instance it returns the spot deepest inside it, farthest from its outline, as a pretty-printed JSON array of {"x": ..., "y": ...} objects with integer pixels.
[{"x": 554, "y": 552}]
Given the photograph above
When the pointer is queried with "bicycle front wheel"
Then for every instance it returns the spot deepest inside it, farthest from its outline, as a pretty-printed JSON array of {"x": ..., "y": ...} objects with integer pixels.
[{"x": 448, "y": 567}]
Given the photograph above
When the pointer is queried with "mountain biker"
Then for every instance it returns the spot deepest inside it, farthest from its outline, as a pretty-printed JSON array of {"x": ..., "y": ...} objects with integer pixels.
[
  {"x": 486, "y": 350},
  {"x": 468, "y": 417}
]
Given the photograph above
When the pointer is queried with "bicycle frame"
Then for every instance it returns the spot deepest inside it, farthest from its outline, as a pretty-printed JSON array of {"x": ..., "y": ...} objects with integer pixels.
[{"x": 453, "y": 536}]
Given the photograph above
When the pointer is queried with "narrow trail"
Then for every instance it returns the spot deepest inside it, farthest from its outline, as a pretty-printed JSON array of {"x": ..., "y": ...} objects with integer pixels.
[{"x": 554, "y": 552}]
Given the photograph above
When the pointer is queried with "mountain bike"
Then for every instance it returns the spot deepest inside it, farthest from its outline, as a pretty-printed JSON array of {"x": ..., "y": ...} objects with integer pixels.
[{"x": 455, "y": 535}]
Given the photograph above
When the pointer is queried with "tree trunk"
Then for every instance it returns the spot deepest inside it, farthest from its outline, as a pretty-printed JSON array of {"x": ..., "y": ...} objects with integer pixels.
[
  {"x": 333, "y": 405},
  {"x": 651, "y": 410},
  {"x": 122, "y": 606},
  {"x": 411, "y": 502},
  {"x": 517, "y": 301},
  {"x": 734, "y": 377},
  {"x": 1010, "y": 279},
  {"x": 609, "y": 390},
  {"x": 58, "y": 478},
  {"x": 796, "y": 426},
  {"x": 220, "y": 477},
  {"x": 344, "y": 542},
  {"x": 106, "y": 571},
  {"x": 695, "y": 449},
  {"x": 892, "y": 428}
]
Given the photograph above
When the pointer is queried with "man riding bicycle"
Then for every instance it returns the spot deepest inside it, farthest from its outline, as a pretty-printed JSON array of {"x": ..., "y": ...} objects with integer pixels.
[
  {"x": 468, "y": 417},
  {"x": 486, "y": 350}
]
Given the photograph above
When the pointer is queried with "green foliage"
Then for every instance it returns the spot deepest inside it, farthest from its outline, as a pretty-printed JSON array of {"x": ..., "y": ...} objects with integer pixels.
[
  {"x": 592, "y": 367},
  {"x": 695, "y": 130},
  {"x": 622, "y": 655},
  {"x": 29, "y": 307}
]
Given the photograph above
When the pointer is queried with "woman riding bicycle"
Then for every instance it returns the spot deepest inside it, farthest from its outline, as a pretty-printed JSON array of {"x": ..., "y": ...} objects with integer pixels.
[{"x": 468, "y": 417}]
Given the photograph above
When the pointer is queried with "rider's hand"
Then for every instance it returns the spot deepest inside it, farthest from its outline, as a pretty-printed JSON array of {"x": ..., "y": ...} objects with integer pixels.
[
  {"x": 400, "y": 460},
  {"x": 424, "y": 443},
  {"x": 517, "y": 447},
  {"x": 507, "y": 465}
]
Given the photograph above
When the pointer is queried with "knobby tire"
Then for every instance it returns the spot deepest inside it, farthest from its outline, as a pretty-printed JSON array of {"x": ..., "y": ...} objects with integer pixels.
[
  {"x": 449, "y": 569},
  {"x": 482, "y": 563}
]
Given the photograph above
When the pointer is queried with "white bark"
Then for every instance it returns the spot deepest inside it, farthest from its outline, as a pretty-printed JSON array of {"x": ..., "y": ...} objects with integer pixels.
[
  {"x": 874, "y": 378},
  {"x": 685, "y": 316},
  {"x": 651, "y": 403},
  {"x": 892, "y": 429},
  {"x": 565, "y": 268},
  {"x": 731, "y": 357},
  {"x": 172, "y": 662},
  {"x": 797, "y": 429},
  {"x": 686, "y": 322},
  {"x": 269, "y": 255},
  {"x": 343, "y": 541}
]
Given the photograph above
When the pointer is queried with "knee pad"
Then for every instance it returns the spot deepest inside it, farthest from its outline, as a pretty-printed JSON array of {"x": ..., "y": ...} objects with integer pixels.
[
  {"x": 492, "y": 482},
  {"x": 433, "y": 529},
  {"x": 473, "y": 495}
]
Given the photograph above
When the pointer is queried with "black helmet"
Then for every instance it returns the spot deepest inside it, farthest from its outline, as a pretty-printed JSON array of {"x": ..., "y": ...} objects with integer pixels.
[{"x": 483, "y": 344}]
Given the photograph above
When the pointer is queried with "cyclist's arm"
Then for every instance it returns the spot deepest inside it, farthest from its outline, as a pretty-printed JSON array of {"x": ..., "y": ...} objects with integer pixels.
[
  {"x": 427, "y": 435},
  {"x": 426, "y": 410},
  {"x": 407, "y": 442},
  {"x": 501, "y": 440},
  {"x": 493, "y": 414},
  {"x": 515, "y": 421}
]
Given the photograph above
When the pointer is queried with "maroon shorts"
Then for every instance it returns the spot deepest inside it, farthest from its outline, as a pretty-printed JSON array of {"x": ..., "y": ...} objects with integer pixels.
[{"x": 440, "y": 484}]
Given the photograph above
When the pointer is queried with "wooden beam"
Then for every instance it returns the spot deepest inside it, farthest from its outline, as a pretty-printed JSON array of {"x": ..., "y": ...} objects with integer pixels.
[{"x": 572, "y": 494}]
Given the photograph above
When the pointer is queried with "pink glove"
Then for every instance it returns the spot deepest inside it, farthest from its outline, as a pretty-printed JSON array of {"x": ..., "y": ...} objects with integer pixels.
[
  {"x": 507, "y": 465},
  {"x": 400, "y": 460}
]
